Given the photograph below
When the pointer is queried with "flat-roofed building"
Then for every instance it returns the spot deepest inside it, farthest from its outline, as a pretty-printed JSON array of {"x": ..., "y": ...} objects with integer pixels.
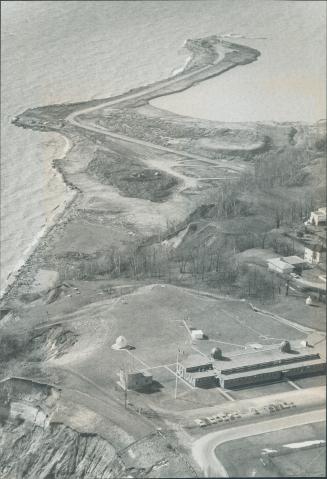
[
  {"x": 197, "y": 334},
  {"x": 268, "y": 366},
  {"x": 135, "y": 380},
  {"x": 295, "y": 261},
  {"x": 313, "y": 253},
  {"x": 279, "y": 266},
  {"x": 318, "y": 217},
  {"x": 198, "y": 371}
]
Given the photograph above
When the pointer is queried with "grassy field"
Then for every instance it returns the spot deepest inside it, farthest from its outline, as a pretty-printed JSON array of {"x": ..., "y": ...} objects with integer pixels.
[
  {"x": 244, "y": 458},
  {"x": 294, "y": 309}
]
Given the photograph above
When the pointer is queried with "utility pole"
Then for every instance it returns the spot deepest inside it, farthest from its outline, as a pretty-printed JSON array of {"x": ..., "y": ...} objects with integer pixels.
[
  {"x": 125, "y": 396},
  {"x": 176, "y": 382},
  {"x": 125, "y": 386}
]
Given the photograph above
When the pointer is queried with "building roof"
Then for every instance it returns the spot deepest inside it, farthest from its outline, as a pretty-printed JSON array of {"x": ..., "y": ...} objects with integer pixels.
[
  {"x": 280, "y": 264},
  {"x": 321, "y": 214},
  {"x": 293, "y": 260},
  {"x": 272, "y": 369},
  {"x": 195, "y": 360},
  {"x": 139, "y": 374},
  {"x": 196, "y": 331},
  {"x": 263, "y": 358}
]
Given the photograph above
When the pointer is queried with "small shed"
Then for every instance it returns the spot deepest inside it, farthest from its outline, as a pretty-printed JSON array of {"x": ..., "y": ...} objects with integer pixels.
[
  {"x": 135, "y": 380},
  {"x": 197, "y": 334}
]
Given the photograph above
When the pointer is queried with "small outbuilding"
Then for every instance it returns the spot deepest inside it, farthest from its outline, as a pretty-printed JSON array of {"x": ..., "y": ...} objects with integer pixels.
[
  {"x": 197, "y": 334},
  {"x": 135, "y": 380}
]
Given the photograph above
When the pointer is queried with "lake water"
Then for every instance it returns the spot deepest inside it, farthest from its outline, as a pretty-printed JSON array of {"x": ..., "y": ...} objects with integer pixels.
[
  {"x": 286, "y": 83},
  {"x": 55, "y": 52}
]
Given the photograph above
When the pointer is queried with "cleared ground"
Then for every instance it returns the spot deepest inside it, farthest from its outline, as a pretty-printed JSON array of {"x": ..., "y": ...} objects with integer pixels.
[{"x": 156, "y": 322}]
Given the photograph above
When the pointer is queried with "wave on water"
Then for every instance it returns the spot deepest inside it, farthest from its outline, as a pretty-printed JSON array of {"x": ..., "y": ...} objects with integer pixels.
[{"x": 176, "y": 71}]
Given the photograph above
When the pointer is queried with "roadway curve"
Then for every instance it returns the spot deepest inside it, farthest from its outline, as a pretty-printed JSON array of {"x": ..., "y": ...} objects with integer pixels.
[
  {"x": 146, "y": 90},
  {"x": 203, "y": 449}
]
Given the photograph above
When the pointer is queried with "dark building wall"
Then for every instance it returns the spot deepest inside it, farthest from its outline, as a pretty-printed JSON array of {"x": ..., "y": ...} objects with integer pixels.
[
  {"x": 227, "y": 382},
  {"x": 305, "y": 370},
  {"x": 301, "y": 370},
  {"x": 201, "y": 382},
  {"x": 137, "y": 381}
]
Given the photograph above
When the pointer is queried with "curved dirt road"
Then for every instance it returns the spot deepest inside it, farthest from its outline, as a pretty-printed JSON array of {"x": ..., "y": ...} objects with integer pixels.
[
  {"x": 146, "y": 90},
  {"x": 74, "y": 120},
  {"x": 203, "y": 449}
]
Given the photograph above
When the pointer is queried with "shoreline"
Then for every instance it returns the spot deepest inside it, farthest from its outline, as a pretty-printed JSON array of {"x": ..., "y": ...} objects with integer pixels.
[
  {"x": 196, "y": 69},
  {"x": 43, "y": 232}
]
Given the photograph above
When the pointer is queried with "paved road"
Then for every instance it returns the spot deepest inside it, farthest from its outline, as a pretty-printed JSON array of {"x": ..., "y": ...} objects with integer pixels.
[{"x": 203, "y": 449}]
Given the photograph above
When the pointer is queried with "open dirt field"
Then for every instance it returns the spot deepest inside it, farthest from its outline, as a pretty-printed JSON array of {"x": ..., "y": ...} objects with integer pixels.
[{"x": 156, "y": 321}]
